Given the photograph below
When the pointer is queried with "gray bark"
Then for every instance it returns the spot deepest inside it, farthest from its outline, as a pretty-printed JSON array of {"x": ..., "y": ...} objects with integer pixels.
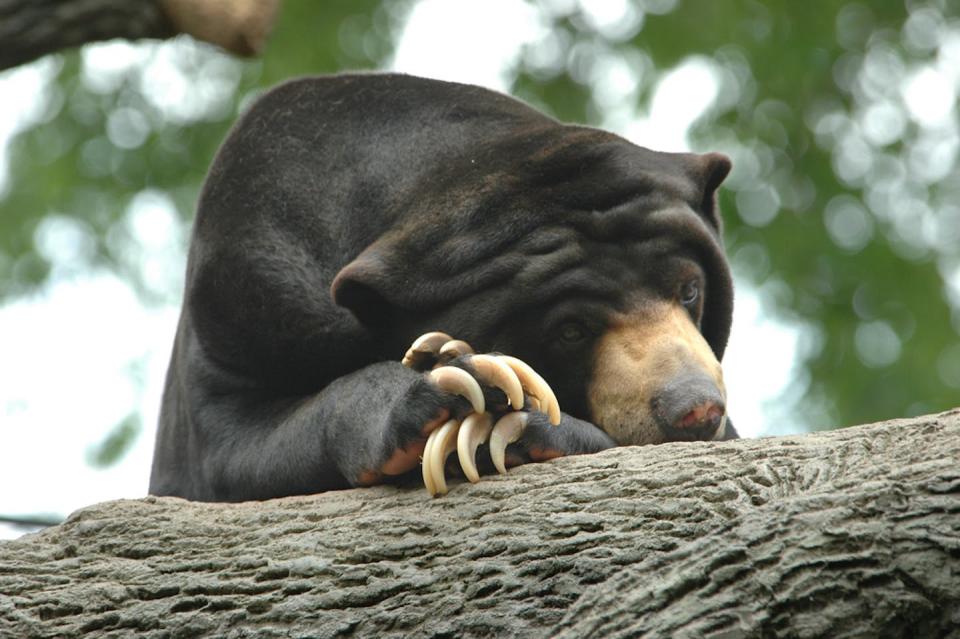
[
  {"x": 851, "y": 533},
  {"x": 32, "y": 28}
]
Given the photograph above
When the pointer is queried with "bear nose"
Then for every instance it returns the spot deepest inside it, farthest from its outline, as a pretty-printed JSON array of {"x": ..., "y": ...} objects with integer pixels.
[{"x": 690, "y": 408}]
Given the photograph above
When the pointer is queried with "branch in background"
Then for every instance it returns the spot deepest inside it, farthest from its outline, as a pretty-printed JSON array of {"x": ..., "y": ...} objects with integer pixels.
[
  {"x": 31, "y": 521},
  {"x": 853, "y": 532},
  {"x": 33, "y": 28},
  {"x": 239, "y": 26}
]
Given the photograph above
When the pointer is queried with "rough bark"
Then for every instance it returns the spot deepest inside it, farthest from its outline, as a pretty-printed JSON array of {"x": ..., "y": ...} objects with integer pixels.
[
  {"x": 32, "y": 28},
  {"x": 848, "y": 533}
]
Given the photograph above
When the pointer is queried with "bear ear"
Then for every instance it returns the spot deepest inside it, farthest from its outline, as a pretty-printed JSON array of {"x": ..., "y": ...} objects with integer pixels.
[
  {"x": 358, "y": 284},
  {"x": 708, "y": 171},
  {"x": 715, "y": 168}
]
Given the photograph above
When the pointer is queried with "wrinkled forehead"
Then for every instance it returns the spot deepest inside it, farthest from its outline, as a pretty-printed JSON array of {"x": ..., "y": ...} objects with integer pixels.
[
  {"x": 603, "y": 255},
  {"x": 554, "y": 213},
  {"x": 594, "y": 171},
  {"x": 616, "y": 254},
  {"x": 584, "y": 179},
  {"x": 549, "y": 205},
  {"x": 651, "y": 222}
]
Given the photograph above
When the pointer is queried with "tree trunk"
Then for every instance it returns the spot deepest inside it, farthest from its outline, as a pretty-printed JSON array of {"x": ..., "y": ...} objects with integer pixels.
[
  {"x": 32, "y": 28},
  {"x": 850, "y": 533}
]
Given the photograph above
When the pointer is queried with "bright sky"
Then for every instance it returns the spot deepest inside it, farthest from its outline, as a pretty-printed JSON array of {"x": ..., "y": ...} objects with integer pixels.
[{"x": 65, "y": 353}]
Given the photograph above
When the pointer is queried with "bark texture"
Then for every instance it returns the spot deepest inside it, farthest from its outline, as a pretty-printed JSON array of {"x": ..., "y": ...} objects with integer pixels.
[
  {"x": 32, "y": 28},
  {"x": 851, "y": 533}
]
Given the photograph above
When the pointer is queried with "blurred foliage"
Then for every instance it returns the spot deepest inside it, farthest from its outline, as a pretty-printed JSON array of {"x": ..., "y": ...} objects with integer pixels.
[
  {"x": 116, "y": 443},
  {"x": 105, "y": 136},
  {"x": 790, "y": 109}
]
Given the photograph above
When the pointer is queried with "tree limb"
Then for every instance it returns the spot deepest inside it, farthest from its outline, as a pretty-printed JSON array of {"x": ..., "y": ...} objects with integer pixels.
[
  {"x": 853, "y": 532},
  {"x": 32, "y": 28}
]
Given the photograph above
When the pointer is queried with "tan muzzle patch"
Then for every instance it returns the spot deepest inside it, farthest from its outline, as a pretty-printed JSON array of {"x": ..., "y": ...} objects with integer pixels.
[{"x": 656, "y": 379}]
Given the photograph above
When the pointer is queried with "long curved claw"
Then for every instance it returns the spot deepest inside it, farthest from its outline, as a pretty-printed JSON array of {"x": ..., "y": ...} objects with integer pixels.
[
  {"x": 459, "y": 381},
  {"x": 425, "y": 465},
  {"x": 440, "y": 444},
  {"x": 473, "y": 432},
  {"x": 454, "y": 348},
  {"x": 424, "y": 350},
  {"x": 536, "y": 386},
  {"x": 497, "y": 373},
  {"x": 507, "y": 430}
]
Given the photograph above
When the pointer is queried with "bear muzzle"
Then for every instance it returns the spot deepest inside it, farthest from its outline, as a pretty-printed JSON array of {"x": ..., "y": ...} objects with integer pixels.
[{"x": 655, "y": 379}]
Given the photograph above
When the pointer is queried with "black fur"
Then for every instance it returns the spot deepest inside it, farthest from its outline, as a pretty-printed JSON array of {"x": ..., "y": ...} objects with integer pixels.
[{"x": 344, "y": 216}]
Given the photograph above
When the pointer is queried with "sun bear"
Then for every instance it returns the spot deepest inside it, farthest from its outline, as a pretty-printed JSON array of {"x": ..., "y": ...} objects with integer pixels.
[{"x": 386, "y": 268}]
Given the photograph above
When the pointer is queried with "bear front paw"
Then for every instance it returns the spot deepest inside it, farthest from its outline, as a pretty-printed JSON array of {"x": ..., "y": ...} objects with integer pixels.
[{"x": 455, "y": 368}]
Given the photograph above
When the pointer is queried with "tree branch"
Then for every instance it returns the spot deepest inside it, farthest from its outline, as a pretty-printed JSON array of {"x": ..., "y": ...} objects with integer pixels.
[
  {"x": 853, "y": 532},
  {"x": 32, "y": 28}
]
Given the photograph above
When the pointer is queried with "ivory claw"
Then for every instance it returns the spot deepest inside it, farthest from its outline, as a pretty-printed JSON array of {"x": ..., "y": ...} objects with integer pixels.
[
  {"x": 425, "y": 464},
  {"x": 428, "y": 344},
  {"x": 507, "y": 430},
  {"x": 473, "y": 432},
  {"x": 497, "y": 373},
  {"x": 455, "y": 348},
  {"x": 536, "y": 386},
  {"x": 444, "y": 442},
  {"x": 456, "y": 380}
]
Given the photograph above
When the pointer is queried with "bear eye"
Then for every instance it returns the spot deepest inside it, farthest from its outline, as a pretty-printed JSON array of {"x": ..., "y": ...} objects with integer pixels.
[
  {"x": 572, "y": 333},
  {"x": 690, "y": 293}
]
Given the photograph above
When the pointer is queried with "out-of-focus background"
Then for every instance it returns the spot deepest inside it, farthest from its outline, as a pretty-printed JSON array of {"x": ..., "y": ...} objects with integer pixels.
[{"x": 842, "y": 212}]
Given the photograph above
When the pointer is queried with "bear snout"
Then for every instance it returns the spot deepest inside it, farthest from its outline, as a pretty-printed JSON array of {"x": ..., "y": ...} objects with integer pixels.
[
  {"x": 657, "y": 380},
  {"x": 689, "y": 408}
]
